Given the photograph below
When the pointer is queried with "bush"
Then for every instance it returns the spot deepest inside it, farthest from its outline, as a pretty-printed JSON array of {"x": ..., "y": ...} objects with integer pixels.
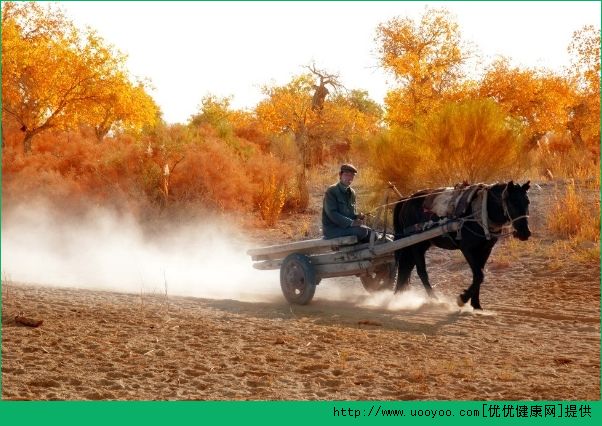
[
  {"x": 399, "y": 159},
  {"x": 271, "y": 200},
  {"x": 298, "y": 194},
  {"x": 472, "y": 140}
]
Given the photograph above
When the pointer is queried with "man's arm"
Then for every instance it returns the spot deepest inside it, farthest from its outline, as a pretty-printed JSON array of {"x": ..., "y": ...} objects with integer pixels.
[{"x": 355, "y": 214}]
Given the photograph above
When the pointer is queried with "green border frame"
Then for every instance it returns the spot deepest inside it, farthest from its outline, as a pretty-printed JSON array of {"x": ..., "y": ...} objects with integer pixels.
[
  {"x": 76, "y": 413},
  {"x": 292, "y": 412}
]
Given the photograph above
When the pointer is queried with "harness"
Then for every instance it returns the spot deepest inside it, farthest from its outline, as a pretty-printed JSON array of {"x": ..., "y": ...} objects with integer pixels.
[
  {"x": 475, "y": 195},
  {"x": 495, "y": 229}
]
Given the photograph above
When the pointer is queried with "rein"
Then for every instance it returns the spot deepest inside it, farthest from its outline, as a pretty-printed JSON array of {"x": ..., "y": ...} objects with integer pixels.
[{"x": 402, "y": 199}]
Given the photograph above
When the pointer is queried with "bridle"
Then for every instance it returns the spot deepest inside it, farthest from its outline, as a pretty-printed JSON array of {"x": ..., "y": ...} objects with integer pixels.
[{"x": 506, "y": 211}]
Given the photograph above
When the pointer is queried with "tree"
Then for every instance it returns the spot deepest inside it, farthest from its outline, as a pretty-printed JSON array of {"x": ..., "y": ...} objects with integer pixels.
[
  {"x": 538, "y": 98},
  {"x": 166, "y": 147},
  {"x": 123, "y": 106},
  {"x": 347, "y": 119},
  {"x": 320, "y": 90},
  {"x": 57, "y": 77},
  {"x": 318, "y": 132},
  {"x": 584, "y": 119},
  {"x": 289, "y": 109},
  {"x": 426, "y": 59},
  {"x": 216, "y": 112}
]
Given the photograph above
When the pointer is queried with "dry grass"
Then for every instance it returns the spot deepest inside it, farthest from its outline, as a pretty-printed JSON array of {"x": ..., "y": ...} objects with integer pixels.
[
  {"x": 303, "y": 227},
  {"x": 6, "y": 291},
  {"x": 556, "y": 162},
  {"x": 573, "y": 217},
  {"x": 271, "y": 200},
  {"x": 588, "y": 255}
]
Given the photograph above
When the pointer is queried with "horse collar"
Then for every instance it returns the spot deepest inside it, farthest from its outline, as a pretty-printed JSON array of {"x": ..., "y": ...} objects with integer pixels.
[{"x": 485, "y": 213}]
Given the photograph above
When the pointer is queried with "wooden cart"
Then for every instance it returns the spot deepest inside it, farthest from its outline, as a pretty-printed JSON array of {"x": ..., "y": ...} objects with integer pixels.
[{"x": 304, "y": 264}]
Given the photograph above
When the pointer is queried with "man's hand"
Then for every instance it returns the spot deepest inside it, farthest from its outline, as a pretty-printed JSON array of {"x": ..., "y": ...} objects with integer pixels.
[
  {"x": 357, "y": 222},
  {"x": 361, "y": 216}
]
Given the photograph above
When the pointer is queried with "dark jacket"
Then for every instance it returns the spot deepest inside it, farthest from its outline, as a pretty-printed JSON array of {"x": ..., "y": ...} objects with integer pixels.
[{"x": 339, "y": 208}]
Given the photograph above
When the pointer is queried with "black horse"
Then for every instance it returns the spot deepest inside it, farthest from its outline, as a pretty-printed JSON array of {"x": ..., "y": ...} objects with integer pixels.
[{"x": 482, "y": 210}]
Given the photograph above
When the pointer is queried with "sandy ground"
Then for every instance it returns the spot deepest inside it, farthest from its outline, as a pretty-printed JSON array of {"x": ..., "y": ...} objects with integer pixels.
[{"x": 538, "y": 338}]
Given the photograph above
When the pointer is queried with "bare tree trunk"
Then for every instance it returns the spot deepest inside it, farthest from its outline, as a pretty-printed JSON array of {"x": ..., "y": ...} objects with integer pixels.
[
  {"x": 578, "y": 111},
  {"x": 576, "y": 138},
  {"x": 100, "y": 132},
  {"x": 166, "y": 181},
  {"x": 27, "y": 141},
  {"x": 317, "y": 102},
  {"x": 534, "y": 139},
  {"x": 301, "y": 141}
]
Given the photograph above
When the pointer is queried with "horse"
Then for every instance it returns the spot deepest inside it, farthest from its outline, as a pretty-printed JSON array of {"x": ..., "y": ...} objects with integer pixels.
[{"x": 482, "y": 210}]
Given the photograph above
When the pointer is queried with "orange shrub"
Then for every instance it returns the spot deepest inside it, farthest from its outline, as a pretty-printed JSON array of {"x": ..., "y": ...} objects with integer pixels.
[
  {"x": 178, "y": 168},
  {"x": 470, "y": 140}
]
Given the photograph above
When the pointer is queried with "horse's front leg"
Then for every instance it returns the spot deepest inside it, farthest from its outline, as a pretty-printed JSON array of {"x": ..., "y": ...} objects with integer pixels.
[
  {"x": 476, "y": 258},
  {"x": 474, "y": 290}
]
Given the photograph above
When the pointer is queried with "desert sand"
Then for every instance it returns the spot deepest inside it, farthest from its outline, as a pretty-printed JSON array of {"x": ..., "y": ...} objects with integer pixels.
[{"x": 538, "y": 338}]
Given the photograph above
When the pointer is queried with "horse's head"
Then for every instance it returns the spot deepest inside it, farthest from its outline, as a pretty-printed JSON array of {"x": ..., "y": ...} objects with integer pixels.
[{"x": 516, "y": 206}]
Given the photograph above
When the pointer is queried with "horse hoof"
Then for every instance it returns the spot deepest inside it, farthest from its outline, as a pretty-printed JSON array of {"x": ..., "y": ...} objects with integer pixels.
[{"x": 459, "y": 301}]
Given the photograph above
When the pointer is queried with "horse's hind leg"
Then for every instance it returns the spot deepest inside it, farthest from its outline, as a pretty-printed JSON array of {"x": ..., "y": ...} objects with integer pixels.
[
  {"x": 405, "y": 265},
  {"x": 419, "y": 257}
]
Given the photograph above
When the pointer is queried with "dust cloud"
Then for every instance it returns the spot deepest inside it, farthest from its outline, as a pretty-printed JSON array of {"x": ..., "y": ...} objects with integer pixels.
[
  {"x": 106, "y": 251},
  {"x": 103, "y": 250},
  {"x": 412, "y": 299}
]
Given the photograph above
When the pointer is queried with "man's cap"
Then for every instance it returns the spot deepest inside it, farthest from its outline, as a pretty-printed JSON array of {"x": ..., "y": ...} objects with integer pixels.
[{"x": 348, "y": 168}]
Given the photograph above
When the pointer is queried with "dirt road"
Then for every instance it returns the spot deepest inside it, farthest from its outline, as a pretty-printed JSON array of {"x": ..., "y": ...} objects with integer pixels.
[{"x": 538, "y": 338}]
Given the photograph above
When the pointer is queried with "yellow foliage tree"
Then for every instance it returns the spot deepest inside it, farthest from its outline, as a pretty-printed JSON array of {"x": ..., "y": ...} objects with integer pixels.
[
  {"x": 57, "y": 77},
  {"x": 347, "y": 119},
  {"x": 584, "y": 120},
  {"x": 213, "y": 110},
  {"x": 322, "y": 132},
  {"x": 123, "y": 106},
  {"x": 538, "y": 98},
  {"x": 288, "y": 109},
  {"x": 425, "y": 58},
  {"x": 472, "y": 140}
]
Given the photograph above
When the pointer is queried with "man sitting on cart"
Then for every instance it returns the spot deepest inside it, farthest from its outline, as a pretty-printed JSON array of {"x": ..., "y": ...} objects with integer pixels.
[{"x": 339, "y": 216}]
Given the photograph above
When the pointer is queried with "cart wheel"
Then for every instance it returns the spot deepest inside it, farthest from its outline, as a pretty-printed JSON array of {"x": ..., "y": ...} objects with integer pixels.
[
  {"x": 297, "y": 279},
  {"x": 381, "y": 279}
]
